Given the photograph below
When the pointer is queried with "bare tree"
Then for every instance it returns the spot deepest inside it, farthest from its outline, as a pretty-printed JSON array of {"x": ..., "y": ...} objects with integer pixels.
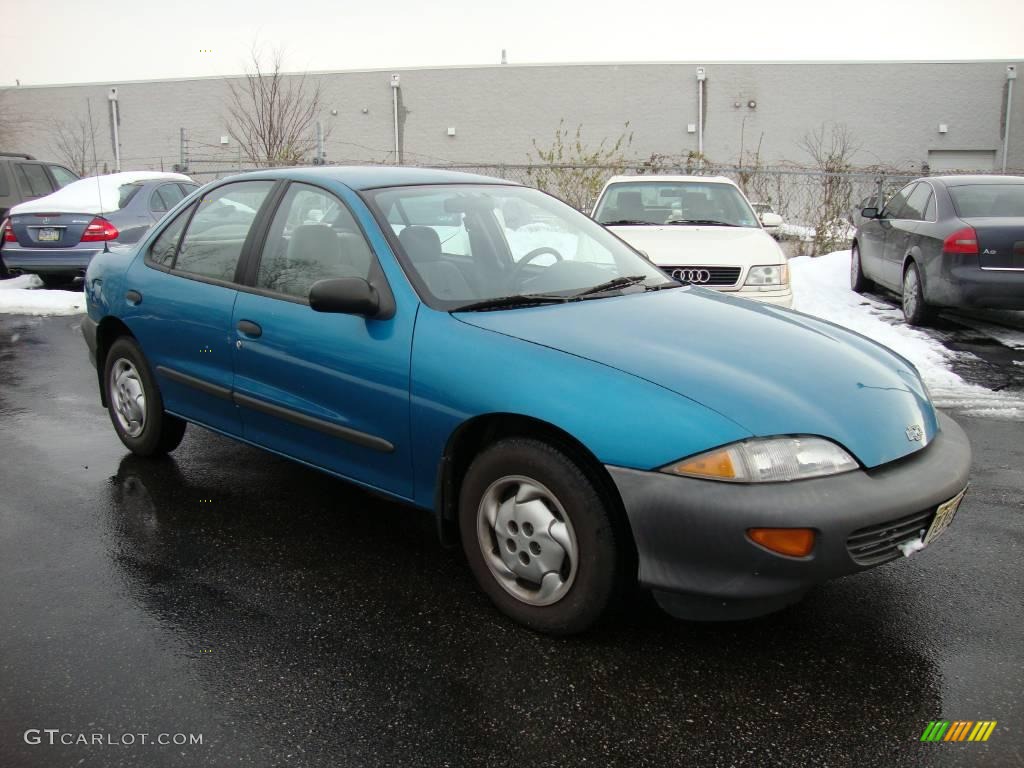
[
  {"x": 831, "y": 149},
  {"x": 74, "y": 142},
  {"x": 273, "y": 115},
  {"x": 574, "y": 171}
]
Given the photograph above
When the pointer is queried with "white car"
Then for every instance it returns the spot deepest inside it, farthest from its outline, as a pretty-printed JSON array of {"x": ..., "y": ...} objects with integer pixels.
[{"x": 701, "y": 230}]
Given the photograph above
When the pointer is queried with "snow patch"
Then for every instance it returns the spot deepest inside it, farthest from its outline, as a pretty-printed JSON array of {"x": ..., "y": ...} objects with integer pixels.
[
  {"x": 20, "y": 296},
  {"x": 910, "y": 547},
  {"x": 22, "y": 281},
  {"x": 821, "y": 287}
]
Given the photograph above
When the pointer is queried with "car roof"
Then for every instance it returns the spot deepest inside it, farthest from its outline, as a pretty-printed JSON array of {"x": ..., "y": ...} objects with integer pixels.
[
  {"x": 978, "y": 178},
  {"x": 374, "y": 176},
  {"x": 658, "y": 179}
]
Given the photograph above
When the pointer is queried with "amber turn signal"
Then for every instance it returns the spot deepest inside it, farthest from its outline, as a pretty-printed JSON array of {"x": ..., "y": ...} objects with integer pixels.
[{"x": 795, "y": 542}]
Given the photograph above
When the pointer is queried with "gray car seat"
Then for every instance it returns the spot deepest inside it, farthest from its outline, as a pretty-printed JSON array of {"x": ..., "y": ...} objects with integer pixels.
[{"x": 423, "y": 247}]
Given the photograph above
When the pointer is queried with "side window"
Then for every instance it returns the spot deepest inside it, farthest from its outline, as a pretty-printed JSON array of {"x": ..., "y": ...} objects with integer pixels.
[
  {"x": 5, "y": 187},
  {"x": 313, "y": 237},
  {"x": 62, "y": 175},
  {"x": 212, "y": 244},
  {"x": 166, "y": 245},
  {"x": 125, "y": 194},
  {"x": 165, "y": 197},
  {"x": 894, "y": 208},
  {"x": 34, "y": 180},
  {"x": 187, "y": 189},
  {"x": 930, "y": 210},
  {"x": 917, "y": 203}
]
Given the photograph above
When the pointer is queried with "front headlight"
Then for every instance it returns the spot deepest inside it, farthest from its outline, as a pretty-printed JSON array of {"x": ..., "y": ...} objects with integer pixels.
[
  {"x": 774, "y": 274},
  {"x": 767, "y": 460}
]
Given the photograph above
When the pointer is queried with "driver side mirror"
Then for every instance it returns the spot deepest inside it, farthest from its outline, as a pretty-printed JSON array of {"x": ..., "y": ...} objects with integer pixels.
[
  {"x": 345, "y": 296},
  {"x": 869, "y": 213},
  {"x": 771, "y": 220}
]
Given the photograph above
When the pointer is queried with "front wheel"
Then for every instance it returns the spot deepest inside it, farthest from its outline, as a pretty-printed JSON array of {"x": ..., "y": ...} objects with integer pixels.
[
  {"x": 915, "y": 309},
  {"x": 134, "y": 402},
  {"x": 539, "y": 538},
  {"x": 859, "y": 283}
]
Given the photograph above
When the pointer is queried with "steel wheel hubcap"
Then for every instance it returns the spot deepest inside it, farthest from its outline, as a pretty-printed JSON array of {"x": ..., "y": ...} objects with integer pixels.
[
  {"x": 854, "y": 265},
  {"x": 128, "y": 397},
  {"x": 527, "y": 540},
  {"x": 910, "y": 292}
]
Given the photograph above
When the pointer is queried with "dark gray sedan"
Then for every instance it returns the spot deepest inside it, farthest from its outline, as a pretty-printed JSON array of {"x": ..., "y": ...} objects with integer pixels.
[
  {"x": 56, "y": 236},
  {"x": 945, "y": 241}
]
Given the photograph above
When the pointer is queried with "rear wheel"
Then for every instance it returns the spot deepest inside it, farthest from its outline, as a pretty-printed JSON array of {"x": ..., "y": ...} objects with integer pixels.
[
  {"x": 916, "y": 310},
  {"x": 134, "y": 402},
  {"x": 539, "y": 538},
  {"x": 858, "y": 282}
]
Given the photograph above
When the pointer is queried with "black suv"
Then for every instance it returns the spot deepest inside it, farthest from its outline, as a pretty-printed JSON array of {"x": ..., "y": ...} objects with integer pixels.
[{"x": 22, "y": 178}]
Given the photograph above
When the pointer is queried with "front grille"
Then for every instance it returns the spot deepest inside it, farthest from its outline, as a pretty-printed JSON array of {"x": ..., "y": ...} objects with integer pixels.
[
  {"x": 878, "y": 543},
  {"x": 697, "y": 275}
]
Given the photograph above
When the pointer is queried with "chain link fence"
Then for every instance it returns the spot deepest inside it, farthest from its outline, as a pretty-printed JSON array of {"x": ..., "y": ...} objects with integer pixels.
[{"x": 820, "y": 209}]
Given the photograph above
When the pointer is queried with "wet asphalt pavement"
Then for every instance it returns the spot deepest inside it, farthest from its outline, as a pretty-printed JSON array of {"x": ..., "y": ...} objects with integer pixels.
[{"x": 292, "y": 619}]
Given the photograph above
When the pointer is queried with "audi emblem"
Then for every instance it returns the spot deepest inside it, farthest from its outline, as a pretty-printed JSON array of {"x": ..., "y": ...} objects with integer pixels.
[{"x": 695, "y": 276}]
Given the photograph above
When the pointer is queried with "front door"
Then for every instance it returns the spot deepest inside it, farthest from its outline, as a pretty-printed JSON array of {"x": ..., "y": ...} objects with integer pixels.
[
  {"x": 882, "y": 268},
  {"x": 328, "y": 389}
]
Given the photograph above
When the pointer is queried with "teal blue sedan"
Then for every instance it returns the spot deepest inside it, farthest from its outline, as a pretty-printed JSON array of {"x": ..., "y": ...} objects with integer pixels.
[{"x": 578, "y": 422}]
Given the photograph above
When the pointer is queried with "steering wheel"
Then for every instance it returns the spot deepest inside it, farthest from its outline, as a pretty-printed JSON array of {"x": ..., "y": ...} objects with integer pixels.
[{"x": 517, "y": 270}]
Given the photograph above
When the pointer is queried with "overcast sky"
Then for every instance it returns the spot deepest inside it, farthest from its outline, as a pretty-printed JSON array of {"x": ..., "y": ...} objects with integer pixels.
[{"x": 65, "y": 41}]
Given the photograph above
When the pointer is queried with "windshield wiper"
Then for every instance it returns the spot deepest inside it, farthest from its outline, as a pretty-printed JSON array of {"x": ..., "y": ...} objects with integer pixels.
[
  {"x": 624, "y": 223},
  {"x": 615, "y": 282},
  {"x": 706, "y": 222},
  {"x": 510, "y": 302}
]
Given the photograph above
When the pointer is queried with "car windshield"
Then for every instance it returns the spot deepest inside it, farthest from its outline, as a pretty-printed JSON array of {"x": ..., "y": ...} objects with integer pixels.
[
  {"x": 994, "y": 200},
  {"x": 466, "y": 245},
  {"x": 674, "y": 202}
]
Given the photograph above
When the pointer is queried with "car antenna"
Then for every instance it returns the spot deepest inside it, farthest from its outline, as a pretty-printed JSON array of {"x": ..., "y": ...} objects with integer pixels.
[{"x": 95, "y": 170}]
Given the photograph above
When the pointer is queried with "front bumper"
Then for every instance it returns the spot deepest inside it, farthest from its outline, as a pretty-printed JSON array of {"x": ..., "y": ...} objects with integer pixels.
[
  {"x": 780, "y": 297},
  {"x": 691, "y": 537}
]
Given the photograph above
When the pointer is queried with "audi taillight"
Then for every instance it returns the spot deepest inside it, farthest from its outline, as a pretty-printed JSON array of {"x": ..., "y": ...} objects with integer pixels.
[
  {"x": 963, "y": 241},
  {"x": 98, "y": 230},
  {"x": 9, "y": 232}
]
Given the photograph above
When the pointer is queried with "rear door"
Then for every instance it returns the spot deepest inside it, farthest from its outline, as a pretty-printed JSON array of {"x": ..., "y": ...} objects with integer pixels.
[
  {"x": 33, "y": 180},
  {"x": 180, "y": 298},
  {"x": 328, "y": 389}
]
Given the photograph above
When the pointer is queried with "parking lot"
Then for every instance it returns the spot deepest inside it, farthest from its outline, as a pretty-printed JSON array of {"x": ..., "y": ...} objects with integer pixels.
[{"x": 292, "y": 619}]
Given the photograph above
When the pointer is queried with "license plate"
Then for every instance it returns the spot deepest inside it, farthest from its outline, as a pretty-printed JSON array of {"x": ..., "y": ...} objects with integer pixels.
[
  {"x": 943, "y": 517},
  {"x": 49, "y": 235}
]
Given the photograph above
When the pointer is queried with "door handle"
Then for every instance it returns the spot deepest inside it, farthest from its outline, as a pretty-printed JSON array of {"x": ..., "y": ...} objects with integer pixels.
[
  {"x": 133, "y": 297},
  {"x": 249, "y": 328}
]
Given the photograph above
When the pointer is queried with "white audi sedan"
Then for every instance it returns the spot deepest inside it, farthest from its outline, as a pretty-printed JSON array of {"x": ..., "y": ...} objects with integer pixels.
[{"x": 701, "y": 230}]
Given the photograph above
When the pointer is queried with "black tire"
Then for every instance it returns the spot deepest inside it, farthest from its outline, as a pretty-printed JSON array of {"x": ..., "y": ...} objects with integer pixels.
[
  {"x": 159, "y": 432},
  {"x": 916, "y": 311},
  {"x": 858, "y": 282},
  {"x": 601, "y": 571}
]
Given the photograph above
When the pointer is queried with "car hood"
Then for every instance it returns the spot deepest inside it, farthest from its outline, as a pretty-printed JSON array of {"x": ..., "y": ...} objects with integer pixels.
[
  {"x": 770, "y": 370},
  {"x": 704, "y": 246}
]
